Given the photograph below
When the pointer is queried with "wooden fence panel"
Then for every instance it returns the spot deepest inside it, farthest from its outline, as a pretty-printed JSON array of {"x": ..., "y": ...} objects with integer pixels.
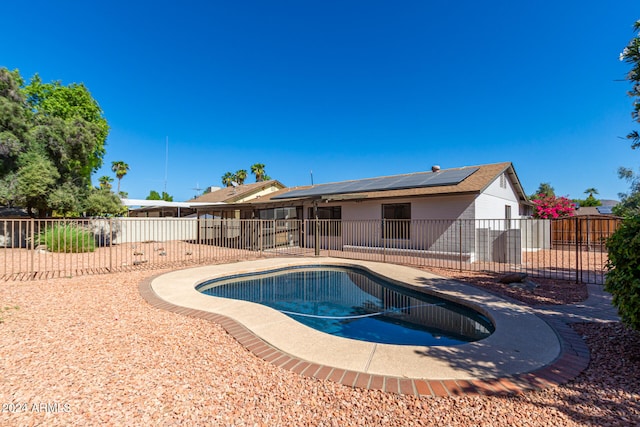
[{"x": 590, "y": 232}]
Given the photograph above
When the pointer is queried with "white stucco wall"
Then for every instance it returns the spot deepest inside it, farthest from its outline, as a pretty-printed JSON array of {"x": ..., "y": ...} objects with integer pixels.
[
  {"x": 491, "y": 203},
  {"x": 365, "y": 210},
  {"x": 439, "y": 207}
]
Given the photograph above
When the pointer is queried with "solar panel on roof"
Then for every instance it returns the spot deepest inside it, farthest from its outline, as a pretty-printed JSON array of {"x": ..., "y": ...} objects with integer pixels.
[{"x": 398, "y": 182}]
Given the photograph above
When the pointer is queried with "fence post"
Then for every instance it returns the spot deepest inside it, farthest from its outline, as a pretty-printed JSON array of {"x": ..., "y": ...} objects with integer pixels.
[
  {"x": 316, "y": 242},
  {"x": 33, "y": 252},
  {"x": 110, "y": 244},
  {"x": 460, "y": 244},
  {"x": 199, "y": 239},
  {"x": 578, "y": 231},
  {"x": 384, "y": 240}
]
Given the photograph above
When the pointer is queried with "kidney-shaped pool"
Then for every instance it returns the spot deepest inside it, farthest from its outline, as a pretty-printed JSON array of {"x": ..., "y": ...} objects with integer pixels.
[{"x": 353, "y": 303}]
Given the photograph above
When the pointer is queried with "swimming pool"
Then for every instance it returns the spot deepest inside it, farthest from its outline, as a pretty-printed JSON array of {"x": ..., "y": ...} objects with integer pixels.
[{"x": 352, "y": 303}]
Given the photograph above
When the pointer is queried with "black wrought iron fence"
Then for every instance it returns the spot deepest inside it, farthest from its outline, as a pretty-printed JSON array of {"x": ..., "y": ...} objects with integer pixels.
[{"x": 32, "y": 248}]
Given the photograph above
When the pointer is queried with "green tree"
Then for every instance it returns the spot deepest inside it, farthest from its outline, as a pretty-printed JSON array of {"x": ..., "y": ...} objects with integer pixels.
[
  {"x": 120, "y": 168},
  {"x": 590, "y": 191},
  {"x": 71, "y": 115},
  {"x": 590, "y": 200},
  {"x": 227, "y": 179},
  {"x": 65, "y": 200},
  {"x": 14, "y": 121},
  {"x": 544, "y": 189},
  {"x": 104, "y": 203},
  {"x": 36, "y": 178},
  {"x": 105, "y": 182},
  {"x": 258, "y": 170},
  {"x": 631, "y": 55},
  {"x": 240, "y": 176},
  {"x": 629, "y": 202},
  {"x": 9, "y": 190},
  {"x": 154, "y": 195},
  {"x": 49, "y": 129},
  {"x": 623, "y": 266}
]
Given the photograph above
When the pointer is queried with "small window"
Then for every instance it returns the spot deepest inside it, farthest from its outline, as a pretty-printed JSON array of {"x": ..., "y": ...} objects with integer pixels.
[
  {"x": 507, "y": 217},
  {"x": 397, "y": 221}
]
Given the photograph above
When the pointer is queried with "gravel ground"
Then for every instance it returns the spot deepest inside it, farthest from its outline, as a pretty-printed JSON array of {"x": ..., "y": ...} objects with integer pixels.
[
  {"x": 90, "y": 351},
  {"x": 547, "y": 292}
]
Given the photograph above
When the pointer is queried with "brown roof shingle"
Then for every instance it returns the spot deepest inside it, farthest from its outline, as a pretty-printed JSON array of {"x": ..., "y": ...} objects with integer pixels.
[{"x": 232, "y": 194}]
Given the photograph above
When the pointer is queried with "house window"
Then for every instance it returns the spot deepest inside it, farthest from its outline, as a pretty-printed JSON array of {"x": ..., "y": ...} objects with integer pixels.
[
  {"x": 507, "y": 217},
  {"x": 397, "y": 221},
  {"x": 278, "y": 213},
  {"x": 329, "y": 224}
]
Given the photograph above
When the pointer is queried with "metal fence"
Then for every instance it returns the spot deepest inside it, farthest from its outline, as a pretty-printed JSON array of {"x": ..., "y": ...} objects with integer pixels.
[{"x": 33, "y": 248}]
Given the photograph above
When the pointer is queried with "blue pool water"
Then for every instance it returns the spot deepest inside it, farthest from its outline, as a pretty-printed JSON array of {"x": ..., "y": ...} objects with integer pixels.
[{"x": 352, "y": 303}]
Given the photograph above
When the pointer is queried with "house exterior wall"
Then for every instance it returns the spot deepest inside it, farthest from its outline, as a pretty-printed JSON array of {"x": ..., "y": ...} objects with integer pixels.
[
  {"x": 498, "y": 240},
  {"x": 474, "y": 225},
  {"x": 491, "y": 203},
  {"x": 433, "y": 226},
  {"x": 440, "y": 207}
]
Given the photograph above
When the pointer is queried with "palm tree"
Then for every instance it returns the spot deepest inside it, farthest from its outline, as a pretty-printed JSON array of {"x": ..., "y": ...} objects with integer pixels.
[
  {"x": 105, "y": 182},
  {"x": 120, "y": 168},
  {"x": 227, "y": 179},
  {"x": 258, "y": 170},
  {"x": 240, "y": 176},
  {"x": 546, "y": 189},
  {"x": 591, "y": 191}
]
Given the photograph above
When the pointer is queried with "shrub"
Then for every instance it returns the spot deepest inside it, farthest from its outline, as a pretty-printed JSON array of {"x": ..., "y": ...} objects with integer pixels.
[
  {"x": 546, "y": 207},
  {"x": 623, "y": 270},
  {"x": 67, "y": 238}
]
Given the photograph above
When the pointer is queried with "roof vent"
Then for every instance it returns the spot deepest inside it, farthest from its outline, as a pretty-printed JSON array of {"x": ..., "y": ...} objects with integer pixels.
[{"x": 435, "y": 168}]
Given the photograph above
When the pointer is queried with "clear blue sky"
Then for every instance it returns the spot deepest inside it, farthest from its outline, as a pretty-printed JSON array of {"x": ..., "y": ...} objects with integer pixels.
[{"x": 346, "y": 89}]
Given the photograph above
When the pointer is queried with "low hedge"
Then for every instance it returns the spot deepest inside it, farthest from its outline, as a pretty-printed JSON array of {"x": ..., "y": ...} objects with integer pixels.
[
  {"x": 623, "y": 270},
  {"x": 67, "y": 238}
]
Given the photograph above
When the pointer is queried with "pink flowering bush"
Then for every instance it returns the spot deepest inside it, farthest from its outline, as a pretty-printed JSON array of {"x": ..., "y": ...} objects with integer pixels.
[{"x": 547, "y": 207}]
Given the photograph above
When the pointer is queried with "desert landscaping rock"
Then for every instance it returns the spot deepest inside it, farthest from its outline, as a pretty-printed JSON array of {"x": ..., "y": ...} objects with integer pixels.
[
  {"x": 513, "y": 278},
  {"x": 90, "y": 351}
]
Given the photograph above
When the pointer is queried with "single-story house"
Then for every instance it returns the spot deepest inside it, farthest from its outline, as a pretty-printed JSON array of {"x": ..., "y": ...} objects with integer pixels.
[
  {"x": 213, "y": 197},
  {"x": 385, "y": 212}
]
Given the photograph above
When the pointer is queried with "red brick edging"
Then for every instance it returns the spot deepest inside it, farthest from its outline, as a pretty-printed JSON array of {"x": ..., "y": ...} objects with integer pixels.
[{"x": 573, "y": 359}]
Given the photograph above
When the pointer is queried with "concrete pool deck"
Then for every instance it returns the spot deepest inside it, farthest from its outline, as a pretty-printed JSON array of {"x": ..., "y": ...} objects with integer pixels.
[{"x": 525, "y": 352}]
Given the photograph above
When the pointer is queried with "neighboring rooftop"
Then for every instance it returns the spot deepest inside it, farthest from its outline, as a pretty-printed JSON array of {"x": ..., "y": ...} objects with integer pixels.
[{"x": 239, "y": 193}]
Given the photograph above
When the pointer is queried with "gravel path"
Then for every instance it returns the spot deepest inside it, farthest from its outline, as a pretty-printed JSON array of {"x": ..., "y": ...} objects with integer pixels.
[{"x": 91, "y": 351}]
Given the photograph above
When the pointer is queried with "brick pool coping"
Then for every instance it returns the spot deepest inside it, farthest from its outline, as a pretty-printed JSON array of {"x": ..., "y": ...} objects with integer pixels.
[{"x": 572, "y": 360}]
